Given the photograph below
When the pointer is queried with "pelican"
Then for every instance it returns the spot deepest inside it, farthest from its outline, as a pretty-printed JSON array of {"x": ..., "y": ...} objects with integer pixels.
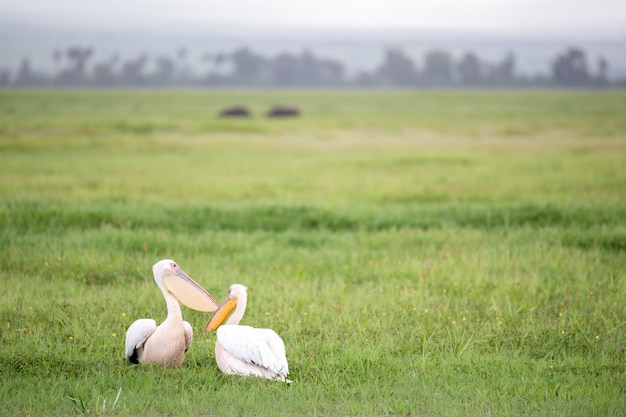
[
  {"x": 244, "y": 350},
  {"x": 166, "y": 344}
]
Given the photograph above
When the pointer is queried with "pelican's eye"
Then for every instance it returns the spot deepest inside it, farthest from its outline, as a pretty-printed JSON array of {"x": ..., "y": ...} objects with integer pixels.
[{"x": 173, "y": 265}]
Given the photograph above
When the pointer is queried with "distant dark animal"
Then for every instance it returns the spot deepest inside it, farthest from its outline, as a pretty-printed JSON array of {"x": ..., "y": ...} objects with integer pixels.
[
  {"x": 283, "y": 111},
  {"x": 237, "y": 111}
]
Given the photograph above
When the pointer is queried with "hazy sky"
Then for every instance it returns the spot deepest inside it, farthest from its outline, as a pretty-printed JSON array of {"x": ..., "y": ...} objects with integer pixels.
[{"x": 554, "y": 16}]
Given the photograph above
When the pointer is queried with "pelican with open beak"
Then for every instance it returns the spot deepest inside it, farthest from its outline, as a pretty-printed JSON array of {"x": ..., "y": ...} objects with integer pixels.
[
  {"x": 245, "y": 350},
  {"x": 167, "y": 344}
]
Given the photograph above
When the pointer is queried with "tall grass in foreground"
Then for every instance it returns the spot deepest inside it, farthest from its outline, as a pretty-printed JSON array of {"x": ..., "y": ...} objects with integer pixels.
[{"x": 430, "y": 254}]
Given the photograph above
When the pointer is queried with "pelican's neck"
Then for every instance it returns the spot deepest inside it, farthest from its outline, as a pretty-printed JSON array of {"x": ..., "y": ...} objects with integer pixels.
[
  {"x": 173, "y": 307},
  {"x": 237, "y": 315}
]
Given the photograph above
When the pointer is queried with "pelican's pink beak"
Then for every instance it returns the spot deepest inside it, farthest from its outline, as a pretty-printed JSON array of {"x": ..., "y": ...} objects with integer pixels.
[{"x": 188, "y": 291}]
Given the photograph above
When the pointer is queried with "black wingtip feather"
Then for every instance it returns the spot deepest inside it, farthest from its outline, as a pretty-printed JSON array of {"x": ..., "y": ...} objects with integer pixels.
[{"x": 134, "y": 358}]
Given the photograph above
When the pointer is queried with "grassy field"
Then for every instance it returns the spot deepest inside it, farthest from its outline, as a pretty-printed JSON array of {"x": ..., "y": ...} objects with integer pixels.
[{"x": 421, "y": 253}]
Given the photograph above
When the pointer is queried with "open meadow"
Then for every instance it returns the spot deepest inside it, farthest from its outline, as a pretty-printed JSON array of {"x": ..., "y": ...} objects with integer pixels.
[{"x": 425, "y": 253}]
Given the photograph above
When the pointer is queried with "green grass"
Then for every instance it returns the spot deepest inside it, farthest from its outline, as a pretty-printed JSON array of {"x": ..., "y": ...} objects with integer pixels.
[{"x": 424, "y": 253}]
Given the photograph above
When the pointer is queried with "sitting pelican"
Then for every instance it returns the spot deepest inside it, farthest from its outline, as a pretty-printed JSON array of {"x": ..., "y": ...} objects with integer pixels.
[
  {"x": 166, "y": 344},
  {"x": 244, "y": 350}
]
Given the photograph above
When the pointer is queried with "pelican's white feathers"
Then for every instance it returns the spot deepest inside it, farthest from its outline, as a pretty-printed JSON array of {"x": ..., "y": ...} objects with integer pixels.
[
  {"x": 136, "y": 335},
  {"x": 260, "y": 347}
]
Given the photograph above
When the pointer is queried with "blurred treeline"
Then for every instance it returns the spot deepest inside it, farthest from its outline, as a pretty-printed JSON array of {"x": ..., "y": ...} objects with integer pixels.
[{"x": 77, "y": 66}]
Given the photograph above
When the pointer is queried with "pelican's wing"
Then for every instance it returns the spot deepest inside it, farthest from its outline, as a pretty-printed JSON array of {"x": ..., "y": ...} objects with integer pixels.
[
  {"x": 136, "y": 335},
  {"x": 277, "y": 346},
  {"x": 262, "y": 347},
  {"x": 188, "y": 335}
]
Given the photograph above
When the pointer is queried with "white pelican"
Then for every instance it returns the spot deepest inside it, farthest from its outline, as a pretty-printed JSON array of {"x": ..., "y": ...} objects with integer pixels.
[
  {"x": 166, "y": 344},
  {"x": 244, "y": 350}
]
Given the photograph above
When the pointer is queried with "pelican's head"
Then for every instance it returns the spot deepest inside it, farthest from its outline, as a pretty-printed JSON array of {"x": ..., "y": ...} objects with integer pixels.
[
  {"x": 171, "y": 278},
  {"x": 237, "y": 293}
]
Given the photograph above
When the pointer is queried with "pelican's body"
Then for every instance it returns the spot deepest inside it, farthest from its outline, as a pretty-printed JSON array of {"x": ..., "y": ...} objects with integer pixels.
[
  {"x": 245, "y": 350},
  {"x": 166, "y": 344}
]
